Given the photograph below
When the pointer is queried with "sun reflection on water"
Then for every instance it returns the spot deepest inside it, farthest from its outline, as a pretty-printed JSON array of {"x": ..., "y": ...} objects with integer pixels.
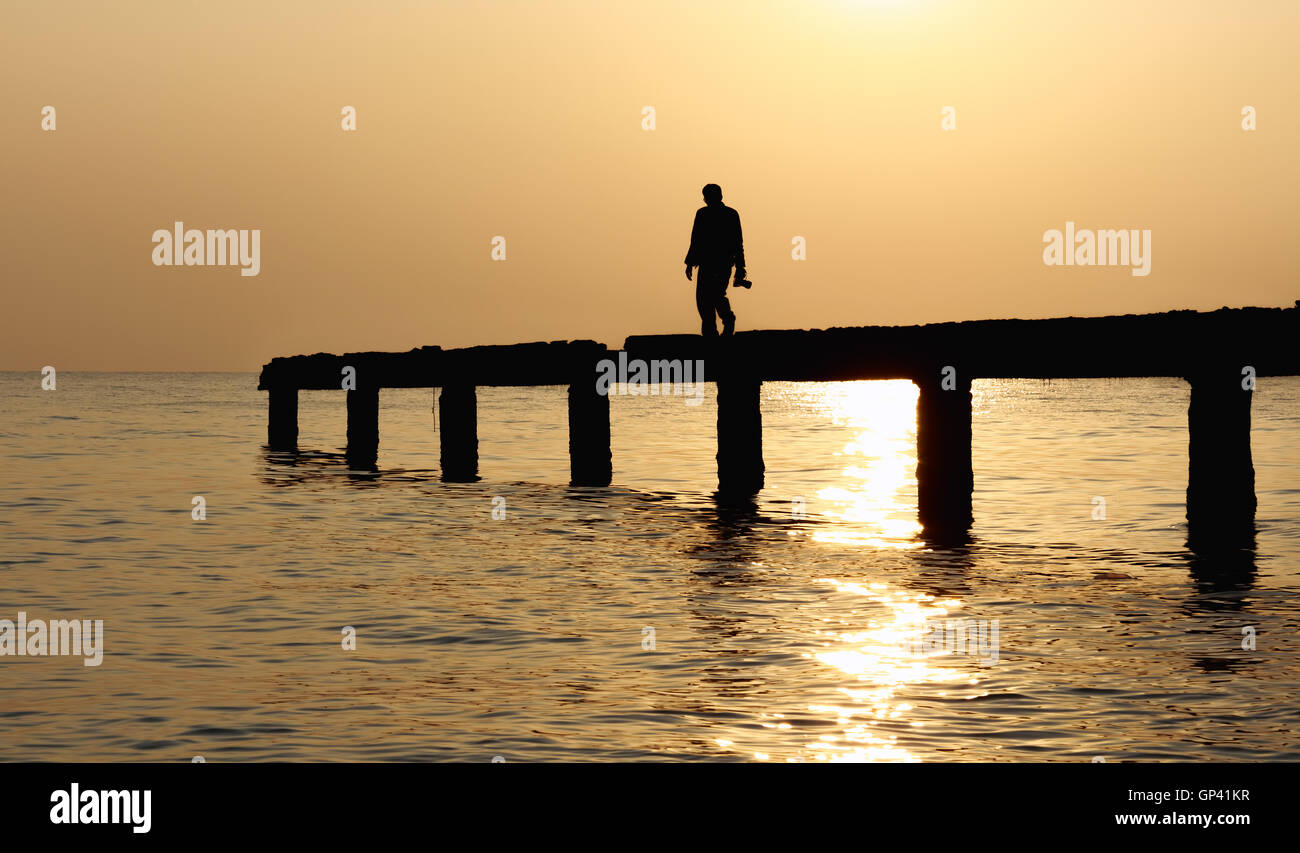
[
  {"x": 874, "y": 506},
  {"x": 876, "y": 500},
  {"x": 883, "y": 658}
]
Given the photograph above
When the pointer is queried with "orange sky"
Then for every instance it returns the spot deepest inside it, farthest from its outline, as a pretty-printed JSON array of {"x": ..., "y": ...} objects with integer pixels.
[{"x": 819, "y": 118}]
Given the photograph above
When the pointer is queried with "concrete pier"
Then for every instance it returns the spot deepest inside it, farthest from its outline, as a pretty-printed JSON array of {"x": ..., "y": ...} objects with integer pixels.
[
  {"x": 1220, "y": 470},
  {"x": 1209, "y": 349},
  {"x": 458, "y": 433},
  {"x": 740, "y": 435},
  {"x": 363, "y": 425},
  {"x": 591, "y": 461},
  {"x": 945, "y": 477},
  {"x": 282, "y": 419}
]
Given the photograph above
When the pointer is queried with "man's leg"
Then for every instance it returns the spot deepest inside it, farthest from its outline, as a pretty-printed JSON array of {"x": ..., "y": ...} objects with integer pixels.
[
  {"x": 704, "y": 303},
  {"x": 724, "y": 309},
  {"x": 711, "y": 296},
  {"x": 723, "y": 304}
]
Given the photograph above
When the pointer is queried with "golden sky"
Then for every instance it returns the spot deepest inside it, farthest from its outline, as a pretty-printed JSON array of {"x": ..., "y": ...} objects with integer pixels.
[{"x": 819, "y": 118}]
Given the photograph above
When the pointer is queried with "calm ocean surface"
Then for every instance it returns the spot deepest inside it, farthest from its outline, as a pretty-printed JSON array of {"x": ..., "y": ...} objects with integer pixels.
[{"x": 774, "y": 638}]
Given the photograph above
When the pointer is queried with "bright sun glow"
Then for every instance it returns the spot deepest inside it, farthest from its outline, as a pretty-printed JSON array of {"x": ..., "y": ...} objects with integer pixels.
[
  {"x": 875, "y": 502},
  {"x": 881, "y": 659}
]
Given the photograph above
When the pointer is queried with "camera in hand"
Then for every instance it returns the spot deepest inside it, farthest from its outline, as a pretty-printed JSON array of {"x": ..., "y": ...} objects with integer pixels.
[{"x": 743, "y": 282}]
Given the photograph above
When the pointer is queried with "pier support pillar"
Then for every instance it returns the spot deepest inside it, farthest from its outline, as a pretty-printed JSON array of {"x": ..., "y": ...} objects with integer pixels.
[
  {"x": 944, "y": 475},
  {"x": 590, "y": 460},
  {"x": 740, "y": 435},
  {"x": 363, "y": 426},
  {"x": 1220, "y": 471},
  {"x": 282, "y": 419},
  {"x": 458, "y": 433}
]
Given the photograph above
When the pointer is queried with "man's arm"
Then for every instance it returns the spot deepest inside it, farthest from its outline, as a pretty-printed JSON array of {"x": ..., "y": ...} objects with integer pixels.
[
  {"x": 740, "y": 251},
  {"x": 691, "y": 259}
]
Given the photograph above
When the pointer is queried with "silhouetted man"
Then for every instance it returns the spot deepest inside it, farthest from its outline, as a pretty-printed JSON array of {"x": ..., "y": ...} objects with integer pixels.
[{"x": 716, "y": 244}]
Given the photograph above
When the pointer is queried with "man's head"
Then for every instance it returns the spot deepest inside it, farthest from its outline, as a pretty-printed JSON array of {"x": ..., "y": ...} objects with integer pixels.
[{"x": 712, "y": 194}]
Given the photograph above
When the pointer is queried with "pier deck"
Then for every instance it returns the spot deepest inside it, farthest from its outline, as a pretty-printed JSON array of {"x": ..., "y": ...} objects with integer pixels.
[{"x": 1220, "y": 353}]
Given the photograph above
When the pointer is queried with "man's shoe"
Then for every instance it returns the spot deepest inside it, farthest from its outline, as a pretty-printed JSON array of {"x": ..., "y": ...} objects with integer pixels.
[{"x": 728, "y": 327}]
